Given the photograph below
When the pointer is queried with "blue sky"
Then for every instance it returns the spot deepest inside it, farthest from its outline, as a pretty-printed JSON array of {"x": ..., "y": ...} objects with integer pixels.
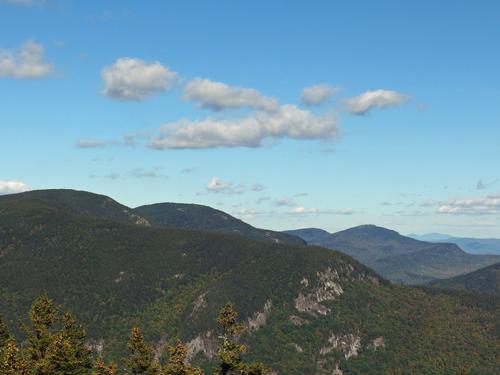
[{"x": 196, "y": 102}]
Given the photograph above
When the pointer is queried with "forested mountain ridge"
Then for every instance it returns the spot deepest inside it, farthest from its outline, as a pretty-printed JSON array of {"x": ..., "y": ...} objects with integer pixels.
[
  {"x": 309, "y": 310},
  {"x": 195, "y": 216},
  {"x": 484, "y": 280},
  {"x": 399, "y": 258}
]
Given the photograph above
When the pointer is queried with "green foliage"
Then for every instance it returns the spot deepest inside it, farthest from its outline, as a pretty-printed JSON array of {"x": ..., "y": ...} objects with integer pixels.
[
  {"x": 195, "y": 216},
  {"x": 230, "y": 350},
  {"x": 177, "y": 361},
  {"x": 4, "y": 334},
  {"x": 171, "y": 283},
  {"x": 101, "y": 368},
  {"x": 56, "y": 342},
  {"x": 141, "y": 359},
  {"x": 484, "y": 280}
]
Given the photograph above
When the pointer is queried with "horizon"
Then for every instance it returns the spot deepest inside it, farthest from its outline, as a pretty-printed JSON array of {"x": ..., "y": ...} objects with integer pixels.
[
  {"x": 288, "y": 229},
  {"x": 283, "y": 115}
]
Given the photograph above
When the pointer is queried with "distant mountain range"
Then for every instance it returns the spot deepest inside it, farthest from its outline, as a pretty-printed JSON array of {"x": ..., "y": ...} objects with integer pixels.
[
  {"x": 398, "y": 258},
  {"x": 468, "y": 244},
  {"x": 484, "y": 280},
  {"x": 309, "y": 310}
]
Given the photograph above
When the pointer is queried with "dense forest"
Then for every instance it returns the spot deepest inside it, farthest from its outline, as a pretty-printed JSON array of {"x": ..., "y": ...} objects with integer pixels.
[{"x": 306, "y": 310}]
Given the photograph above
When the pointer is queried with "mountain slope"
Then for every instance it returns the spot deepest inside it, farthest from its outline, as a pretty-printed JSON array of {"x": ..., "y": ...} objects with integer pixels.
[
  {"x": 403, "y": 259},
  {"x": 78, "y": 203},
  {"x": 194, "y": 216},
  {"x": 310, "y": 235},
  {"x": 484, "y": 280},
  {"x": 309, "y": 309}
]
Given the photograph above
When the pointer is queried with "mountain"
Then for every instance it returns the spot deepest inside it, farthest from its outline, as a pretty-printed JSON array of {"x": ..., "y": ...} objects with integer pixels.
[
  {"x": 309, "y": 310},
  {"x": 484, "y": 280},
  {"x": 194, "y": 216},
  {"x": 76, "y": 202},
  {"x": 310, "y": 235},
  {"x": 430, "y": 237},
  {"x": 468, "y": 244},
  {"x": 398, "y": 258}
]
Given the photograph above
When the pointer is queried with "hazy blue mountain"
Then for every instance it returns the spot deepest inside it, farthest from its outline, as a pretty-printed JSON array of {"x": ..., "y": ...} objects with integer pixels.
[
  {"x": 430, "y": 237},
  {"x": 468, "y": 244},
  {"x": 310, "y": 235},
  {"x": 399, "y": 258}
]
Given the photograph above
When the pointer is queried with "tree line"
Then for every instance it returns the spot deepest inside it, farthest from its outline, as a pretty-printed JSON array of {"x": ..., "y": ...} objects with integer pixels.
[{"x": 55, "y": 344}]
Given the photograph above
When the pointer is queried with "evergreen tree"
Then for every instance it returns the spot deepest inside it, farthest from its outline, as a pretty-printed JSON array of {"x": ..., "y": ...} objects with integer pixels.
[
  {"x": 4, "y": 334},
  {"x": 140, "y": 360},
  {"x": 101, "y": 368},
  {"x": 230, "y": 351},
  {"x": 177, "y": 361},
  {"x": 44, "y": 315},
  {"x": 12, "y": 361},
  {"x": 56, "y": 344}
]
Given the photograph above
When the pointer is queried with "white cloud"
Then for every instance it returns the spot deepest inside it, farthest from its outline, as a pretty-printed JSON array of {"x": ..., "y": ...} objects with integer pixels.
[
  {"x": 316, "y": 95},
  {"x": 286, "y": 122},
  {"x": 135, "y": 79},
  {"x": 12, "y": 187},
  {"x": 91, "y": 143},
  {"x": 488, "y": 205},
  {"x": 25, "y": 63},
  {"x": 363, "y": 103},
  {"x": 316, "y": 211},
  {"x": 219, "y": 96},
  {"x": 216, "y": 185}
]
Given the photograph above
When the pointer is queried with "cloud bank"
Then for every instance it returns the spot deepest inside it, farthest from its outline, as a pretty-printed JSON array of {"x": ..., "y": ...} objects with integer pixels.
[
  {"x": 25, "y": 63},
  {"x": 286, "y": 122},
  {"x": 488, "y": 205},
  {"x": 135, "y": 79}
]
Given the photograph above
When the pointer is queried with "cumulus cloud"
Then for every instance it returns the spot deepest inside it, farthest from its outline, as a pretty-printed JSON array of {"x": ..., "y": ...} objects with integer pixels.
[
  {"x": 488, "y": 205},
  {"x": 219, "y": 96},
  {"x": 12, "y": 187},
  {"x": 216, "y": 185},
  {"x": 316, "y": 95},
  {"x": 286, "y": 122},
  {"x": 136, "y": 79},
  {"x": 363, "y": 103},
  {"x": 25, "y": 63}
]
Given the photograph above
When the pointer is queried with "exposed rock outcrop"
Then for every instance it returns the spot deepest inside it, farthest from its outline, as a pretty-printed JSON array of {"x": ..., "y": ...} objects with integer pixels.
[
  {"x": 259, "y": 319},
  {"x": 349, "y": 344},
  {"x": 328, "y": 289}
]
